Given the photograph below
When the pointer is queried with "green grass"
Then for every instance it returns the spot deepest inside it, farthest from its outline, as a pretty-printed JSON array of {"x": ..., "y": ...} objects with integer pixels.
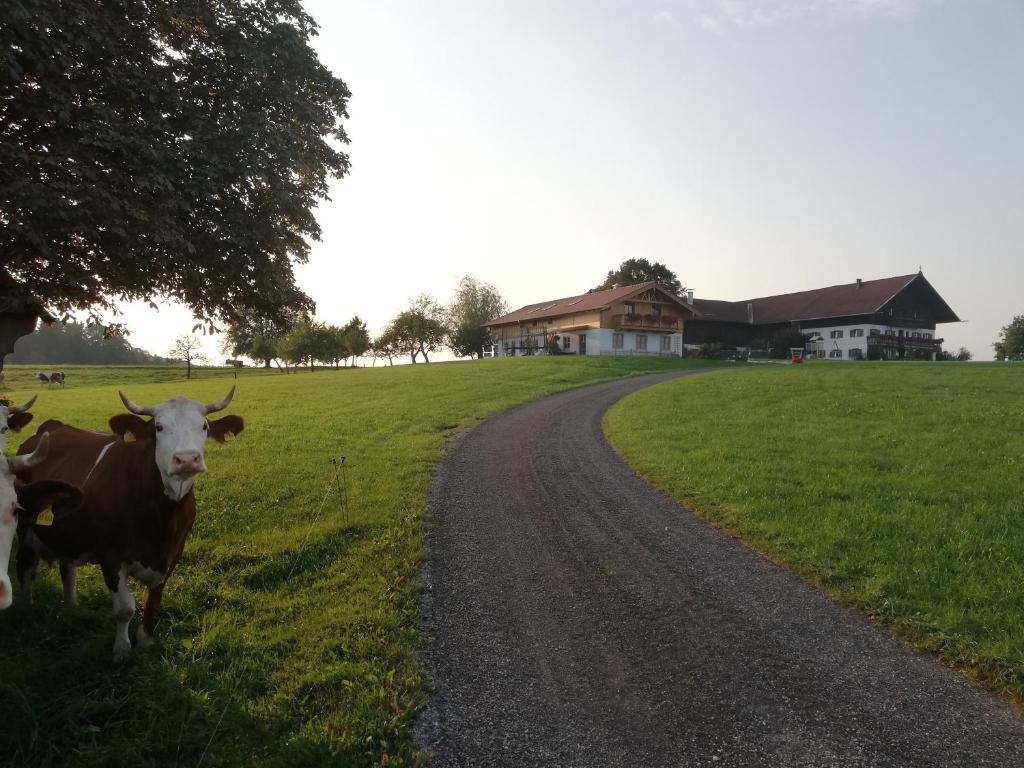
[
  {"x": 287, "y": 636},
  {"x": 898, "y": 488}
]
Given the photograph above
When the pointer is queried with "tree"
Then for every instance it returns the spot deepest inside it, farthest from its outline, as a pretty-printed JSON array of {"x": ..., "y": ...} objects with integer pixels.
[
  {"x": 257, "y": 337},
  {"x": 640, "y": 271},
  {"x": 474, "y": 304},
  {"x": 74, "y": 343},
  {"x": 357, "y": 338},
  {"x": 137, "y": 138},
  {"x": 385, "y": 346},
  {"x": 189, "y": 348},
  {"x": 961, "y": 355},
  {"x": 1011, "y": 340},
  {"x": 419, "y": 329}
]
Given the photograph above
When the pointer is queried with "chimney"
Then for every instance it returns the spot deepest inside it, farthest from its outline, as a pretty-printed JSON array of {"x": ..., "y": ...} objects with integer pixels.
[
  {"x": 750, "y": 313},
  {"x": 689, "y": 296},
  {"x": 859, "y": 282}
]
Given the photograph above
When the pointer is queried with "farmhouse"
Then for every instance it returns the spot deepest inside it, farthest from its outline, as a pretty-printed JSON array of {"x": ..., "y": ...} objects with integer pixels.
[
  {"x": 640, "y": 319},
  {"x": 893, "y": 318}
]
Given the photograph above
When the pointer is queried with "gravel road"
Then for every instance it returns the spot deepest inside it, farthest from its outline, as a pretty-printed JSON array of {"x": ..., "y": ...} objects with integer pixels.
[{"x": 574, "y": 616}]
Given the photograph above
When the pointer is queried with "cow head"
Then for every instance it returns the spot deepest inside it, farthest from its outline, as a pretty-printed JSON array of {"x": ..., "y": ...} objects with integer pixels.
[
  {"x": 179, "y": 428},
  {"x": 21, "y": 502},
  {"x": 13, "y": 417}
]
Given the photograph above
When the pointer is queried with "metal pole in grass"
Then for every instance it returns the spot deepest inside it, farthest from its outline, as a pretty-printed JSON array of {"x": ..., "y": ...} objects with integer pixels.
[{"x": 342, "y": 482}]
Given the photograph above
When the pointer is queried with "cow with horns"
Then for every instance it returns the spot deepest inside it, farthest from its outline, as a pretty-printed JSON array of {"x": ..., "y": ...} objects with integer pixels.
[
  {"x": 137, "y": 504},
  {"x": 20, "y": 503},
  {"x": 13, "y": 500}
]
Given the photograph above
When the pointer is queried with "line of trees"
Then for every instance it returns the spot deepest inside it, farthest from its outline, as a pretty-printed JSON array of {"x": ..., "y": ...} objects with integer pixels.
[
  {"x": 74, "y": 343},
  {"x": 417, "y": 332}
]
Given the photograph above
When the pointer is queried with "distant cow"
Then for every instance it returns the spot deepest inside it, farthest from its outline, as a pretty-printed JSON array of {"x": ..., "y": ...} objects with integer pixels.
[
  {"x": 49, "y": 379},
  {"x": 19, "y": 502},
  {"x": 137, "y": 507}
]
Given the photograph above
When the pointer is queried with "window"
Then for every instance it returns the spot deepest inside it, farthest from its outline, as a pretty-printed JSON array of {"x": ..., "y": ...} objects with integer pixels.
[
  {"x": 836, "y": 334},
  {"x": 666, "y": 343},
  {"x": 566, "y": 341},
  {"x": 917, "y": 334},
  {"x": 617, "y": 339},
  {"x": 641, "y": 342},
  {"x": 835, "y": 353},
  {"x": 856, "y": 333},
  {"x": 856, "y": 354},
  {"x": 874, "y": 332},
  {"x": 655, "y": 311},
  {"x": 628, "y": 308},
  {"x": 927, "y": 335}
]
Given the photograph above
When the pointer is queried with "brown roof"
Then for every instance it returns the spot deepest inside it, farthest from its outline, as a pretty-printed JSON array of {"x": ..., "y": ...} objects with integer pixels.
[
  {"x": 863, "y": 298},
  {"x": 584, "y": 302}
]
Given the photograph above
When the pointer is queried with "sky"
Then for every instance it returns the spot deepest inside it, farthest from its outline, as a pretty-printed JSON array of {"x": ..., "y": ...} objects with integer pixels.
[{"x": 756, "y": 147}]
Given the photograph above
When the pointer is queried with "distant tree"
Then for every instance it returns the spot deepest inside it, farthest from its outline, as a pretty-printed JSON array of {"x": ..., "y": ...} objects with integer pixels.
[
  {"x": 420, "y": 329},
  {"x": 474, "y": 304},
  {"x": 306, "y": 343},
  {"x": 357, "y": 338},
  {"x": 257, "y": 337},
  {"x": 188, "y": 347},
  {"x": 74, "y": 343},
  {"x": 961, "y": 355},
  {"x": 138, "y": 136},
  {"x": 1010, "y": 345},
  {"x": 640, "y": 271},
  {"x": 385, "y": 346}
]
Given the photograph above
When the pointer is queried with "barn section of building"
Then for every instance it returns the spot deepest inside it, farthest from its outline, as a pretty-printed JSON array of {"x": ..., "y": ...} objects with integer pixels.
[
  {"x": 893, "y": 318},
  {"x": 640, "y": 319}
]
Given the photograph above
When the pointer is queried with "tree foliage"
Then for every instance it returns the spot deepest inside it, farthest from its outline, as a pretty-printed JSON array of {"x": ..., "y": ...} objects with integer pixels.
[
  {"x": 168, "y": 147},
  {"x": 640, "y": 271},
  {"x": 257, "y": 337},
  {"x": 76, "y": 344},
  {"x": 419, "y": 330},
  {"x": 189, "y": 349},
  {"x": 474, "y": 304},
  {"x": 1010, "y": 345}
]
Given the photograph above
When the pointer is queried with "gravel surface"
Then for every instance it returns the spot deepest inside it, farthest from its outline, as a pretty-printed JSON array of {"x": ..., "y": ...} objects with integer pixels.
[{"x": 574, "y": 616}]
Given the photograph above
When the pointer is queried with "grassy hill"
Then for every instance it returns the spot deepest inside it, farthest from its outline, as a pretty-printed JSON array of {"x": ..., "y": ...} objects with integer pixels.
[
  {"x": 898, "y": 488},
  {"x": 288, "y": 632}
]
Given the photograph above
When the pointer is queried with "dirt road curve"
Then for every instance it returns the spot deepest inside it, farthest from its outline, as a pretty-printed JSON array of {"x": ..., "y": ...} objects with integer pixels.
[{"x": 576, "y": 617}]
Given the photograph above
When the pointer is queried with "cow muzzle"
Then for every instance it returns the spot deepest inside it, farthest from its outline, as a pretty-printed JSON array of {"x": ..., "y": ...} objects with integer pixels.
[
  {"x": 187, "y": 463},
  {"x": 6, "y": 595}
]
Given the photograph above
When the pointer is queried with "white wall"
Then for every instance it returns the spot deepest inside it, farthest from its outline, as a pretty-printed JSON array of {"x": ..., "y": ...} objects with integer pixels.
[{"x": 848, "y": 342}]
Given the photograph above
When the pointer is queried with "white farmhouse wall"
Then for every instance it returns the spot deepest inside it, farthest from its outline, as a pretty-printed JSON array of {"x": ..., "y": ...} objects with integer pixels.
[{"x": 848, "y": 342}]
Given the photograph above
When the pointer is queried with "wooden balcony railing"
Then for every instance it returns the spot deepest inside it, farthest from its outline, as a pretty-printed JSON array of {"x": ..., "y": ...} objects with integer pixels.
[{"x": 646, "y": 322}]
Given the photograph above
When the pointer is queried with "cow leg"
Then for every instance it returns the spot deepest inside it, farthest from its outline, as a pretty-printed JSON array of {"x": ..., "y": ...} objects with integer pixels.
[
  {"x": 124, "y": 608},
  {"x": 28, "y": 562},
  {"x": 150, "y": 605},
  {"x": 69, "y": 578}
]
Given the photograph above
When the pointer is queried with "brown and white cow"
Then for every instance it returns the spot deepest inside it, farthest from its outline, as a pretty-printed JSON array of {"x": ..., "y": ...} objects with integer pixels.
[
  {"x": 19, "y": 502},
  {"x": 138, "y": 504}
]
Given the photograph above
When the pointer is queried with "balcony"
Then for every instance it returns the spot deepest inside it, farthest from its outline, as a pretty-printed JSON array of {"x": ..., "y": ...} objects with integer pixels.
[
  {"x": 906, "y": 342},
  {"x": 636, "y": 322}
]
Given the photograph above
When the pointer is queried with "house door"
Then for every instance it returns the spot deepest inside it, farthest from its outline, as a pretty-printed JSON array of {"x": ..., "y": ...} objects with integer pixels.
[{"x": 583, "y": 344}]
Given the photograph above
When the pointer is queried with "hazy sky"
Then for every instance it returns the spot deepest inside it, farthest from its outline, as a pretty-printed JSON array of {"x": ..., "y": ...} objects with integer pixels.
[{"x": 755, "y": 146}]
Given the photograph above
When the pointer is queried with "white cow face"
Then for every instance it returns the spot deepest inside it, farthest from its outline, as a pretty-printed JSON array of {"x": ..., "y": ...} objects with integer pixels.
[
  {"x": 180, "y": 428},
  {"x": 13, "y": 418}
]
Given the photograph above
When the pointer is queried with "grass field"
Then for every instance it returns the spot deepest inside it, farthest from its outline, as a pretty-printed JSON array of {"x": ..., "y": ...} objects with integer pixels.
[
  {"x": 288, "y": 634},
  {"x": 898, "y": 488}
]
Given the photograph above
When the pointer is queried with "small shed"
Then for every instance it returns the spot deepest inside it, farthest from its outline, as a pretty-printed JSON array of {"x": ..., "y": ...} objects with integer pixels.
[{"x": 20, "y": 311}]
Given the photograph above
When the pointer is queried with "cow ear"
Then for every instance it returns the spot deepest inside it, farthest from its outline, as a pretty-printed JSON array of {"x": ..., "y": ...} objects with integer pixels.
[
  {"x": 132, "y": 424},
  {"x": 33, "y": 498},
  {"x": 18, "y": 420},
  {"x": 229, "y": 425}
]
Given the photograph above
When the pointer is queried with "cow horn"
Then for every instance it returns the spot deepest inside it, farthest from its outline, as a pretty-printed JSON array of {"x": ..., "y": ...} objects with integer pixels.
[
  {"x": 29, "y": 460},
  {"x": 22, "y": 408},
  {"x": 133, "y": 407},
  {"x": 220, "y": 405}
]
